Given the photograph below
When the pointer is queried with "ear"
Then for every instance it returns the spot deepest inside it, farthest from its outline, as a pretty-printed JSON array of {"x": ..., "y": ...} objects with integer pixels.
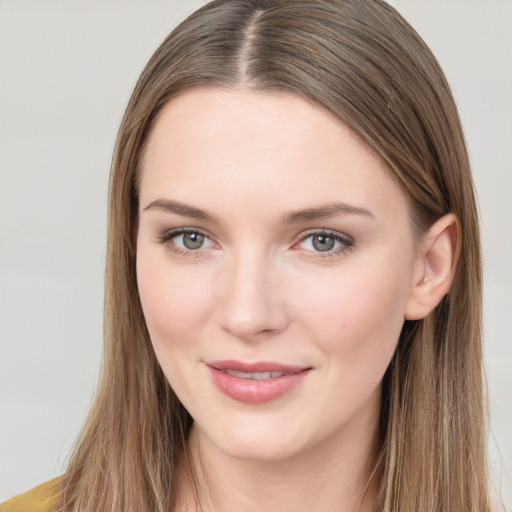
[{"x": 435, "y": 267}]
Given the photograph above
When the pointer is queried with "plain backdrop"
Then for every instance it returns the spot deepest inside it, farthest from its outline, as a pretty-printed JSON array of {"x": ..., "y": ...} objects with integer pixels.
[{"x": 67, "y": 68}]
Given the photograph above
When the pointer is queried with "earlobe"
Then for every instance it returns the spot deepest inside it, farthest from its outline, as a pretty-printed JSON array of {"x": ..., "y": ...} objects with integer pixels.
[{"x": 435, "y": 267}]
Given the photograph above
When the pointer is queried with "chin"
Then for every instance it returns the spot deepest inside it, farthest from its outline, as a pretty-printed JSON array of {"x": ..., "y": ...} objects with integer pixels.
[
  {"x": 260, "y": 449},
  {"x": 263, "y": 441}
]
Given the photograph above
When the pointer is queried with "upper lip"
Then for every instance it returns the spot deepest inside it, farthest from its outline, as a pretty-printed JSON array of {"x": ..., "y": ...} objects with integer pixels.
[{"x": 254, "y": 367}]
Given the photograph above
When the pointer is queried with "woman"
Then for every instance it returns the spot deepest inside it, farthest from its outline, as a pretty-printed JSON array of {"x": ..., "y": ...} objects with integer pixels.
[{"x": 293, "y": 278}]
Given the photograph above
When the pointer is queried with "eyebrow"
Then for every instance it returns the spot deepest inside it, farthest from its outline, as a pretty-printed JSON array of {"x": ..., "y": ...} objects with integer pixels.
[
  {"x": 180, "y": 209},
  {"x": 323, "y": 212},
  {"x": 293, "y": 217}
]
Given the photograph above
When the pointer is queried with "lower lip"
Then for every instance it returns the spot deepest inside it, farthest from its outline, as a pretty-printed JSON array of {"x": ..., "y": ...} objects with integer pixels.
[{"x": 254, "y": 391}]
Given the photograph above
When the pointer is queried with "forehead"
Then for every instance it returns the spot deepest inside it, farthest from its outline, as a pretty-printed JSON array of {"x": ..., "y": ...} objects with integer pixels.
[
  {"x": 215, "y": 142},
  {"x": 230, "y": 116}
]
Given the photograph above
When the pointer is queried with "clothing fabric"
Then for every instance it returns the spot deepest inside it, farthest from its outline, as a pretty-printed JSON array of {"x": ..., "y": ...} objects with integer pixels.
[{"x": 43, "y": 498}]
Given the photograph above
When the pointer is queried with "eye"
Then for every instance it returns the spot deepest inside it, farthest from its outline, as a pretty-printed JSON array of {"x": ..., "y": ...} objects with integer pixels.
[
  {"x": 328, "y": 242},
  {"x": 186, "y": 240},
  {"x": 190, "y": 241}
]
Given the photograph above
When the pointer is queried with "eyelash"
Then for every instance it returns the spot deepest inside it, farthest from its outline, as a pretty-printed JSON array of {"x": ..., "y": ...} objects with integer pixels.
[
  {"x": 345, "y": 241},
  {"x": 167, "y": 237}
]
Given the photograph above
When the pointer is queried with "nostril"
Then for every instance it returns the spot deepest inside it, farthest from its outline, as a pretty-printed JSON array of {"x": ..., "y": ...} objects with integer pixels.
[{"x": 266, "y": 331}]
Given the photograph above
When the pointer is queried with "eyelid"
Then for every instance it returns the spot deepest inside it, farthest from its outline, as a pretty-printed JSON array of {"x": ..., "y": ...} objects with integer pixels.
[
  {"x": 346, "y": 241},
  {"x": 343, "y": 239},
  {"x": 166, "y": 239},
  {"x": 172, "y": 233}
]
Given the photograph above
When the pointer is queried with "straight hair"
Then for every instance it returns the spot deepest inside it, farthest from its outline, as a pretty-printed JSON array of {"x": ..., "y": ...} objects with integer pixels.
[{"x": 360, "y": 60}]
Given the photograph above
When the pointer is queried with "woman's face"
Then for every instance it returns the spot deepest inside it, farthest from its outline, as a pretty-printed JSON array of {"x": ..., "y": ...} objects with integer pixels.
[{"x": 275, "y": 260}]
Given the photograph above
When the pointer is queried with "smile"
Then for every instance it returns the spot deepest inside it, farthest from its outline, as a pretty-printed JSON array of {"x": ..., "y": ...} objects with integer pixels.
[
  {"x": 255, "y": 383},
  {"x": 255, "y": 375}
]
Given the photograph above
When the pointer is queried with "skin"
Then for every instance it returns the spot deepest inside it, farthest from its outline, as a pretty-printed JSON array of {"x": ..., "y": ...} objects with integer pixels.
[{"x": 258, "y": 289}]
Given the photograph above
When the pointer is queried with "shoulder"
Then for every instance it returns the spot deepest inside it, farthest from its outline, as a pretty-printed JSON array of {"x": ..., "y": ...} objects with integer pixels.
[{"x": 42, "y": 498}]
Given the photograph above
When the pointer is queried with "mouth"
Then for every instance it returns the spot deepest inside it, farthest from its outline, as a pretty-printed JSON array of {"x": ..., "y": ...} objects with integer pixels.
[
  {"x": 255, "y": 383},
  {"x": 255, "y": 375}
]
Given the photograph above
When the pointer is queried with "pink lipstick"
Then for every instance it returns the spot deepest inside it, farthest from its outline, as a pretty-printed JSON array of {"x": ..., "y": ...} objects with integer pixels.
[{"x": 255, "y": 383}]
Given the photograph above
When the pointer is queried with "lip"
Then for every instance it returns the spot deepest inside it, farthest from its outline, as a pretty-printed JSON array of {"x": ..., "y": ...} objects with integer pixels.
[{"x": 251, "y": 390}]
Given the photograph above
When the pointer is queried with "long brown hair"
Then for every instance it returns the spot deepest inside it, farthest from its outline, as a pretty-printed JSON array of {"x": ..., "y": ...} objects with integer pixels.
[{"x": 360, "y": 60}]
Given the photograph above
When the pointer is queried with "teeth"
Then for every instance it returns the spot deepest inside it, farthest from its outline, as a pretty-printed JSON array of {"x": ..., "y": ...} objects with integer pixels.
[
  {"x": 261, "y": 375},
  {"x": 255, "y": 375}
]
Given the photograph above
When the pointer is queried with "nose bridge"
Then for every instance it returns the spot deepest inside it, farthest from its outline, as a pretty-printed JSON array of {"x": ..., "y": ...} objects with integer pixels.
[{"x": 251, "y": 303}]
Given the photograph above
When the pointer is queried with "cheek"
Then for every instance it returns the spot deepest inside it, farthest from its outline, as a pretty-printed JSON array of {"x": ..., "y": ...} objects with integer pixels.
[
  {"x": 176, "y": 308},
  {"x": 175, "y": 304},
  {"x": 356, "y": 323}
]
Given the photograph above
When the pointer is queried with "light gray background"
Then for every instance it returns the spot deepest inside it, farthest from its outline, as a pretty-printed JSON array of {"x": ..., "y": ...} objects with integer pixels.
[{"x": 67, "y": 68}]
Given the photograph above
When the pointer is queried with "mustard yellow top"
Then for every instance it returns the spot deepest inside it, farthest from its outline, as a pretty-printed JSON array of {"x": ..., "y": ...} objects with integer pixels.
[{"x": 42, "y": 498}]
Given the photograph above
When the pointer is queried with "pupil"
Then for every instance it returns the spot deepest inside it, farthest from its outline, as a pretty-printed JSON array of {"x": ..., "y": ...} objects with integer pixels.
[
  {"x": 193, "y": 240},
  {"x": 323, "y": 243}
]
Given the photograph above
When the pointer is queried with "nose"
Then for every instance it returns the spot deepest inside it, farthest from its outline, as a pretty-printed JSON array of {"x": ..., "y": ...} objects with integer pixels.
[{"x": 252, "y": 299}]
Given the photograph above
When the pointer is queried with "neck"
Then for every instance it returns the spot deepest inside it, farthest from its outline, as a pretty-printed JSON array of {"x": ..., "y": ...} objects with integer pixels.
[{"x": 331, "y": 476}]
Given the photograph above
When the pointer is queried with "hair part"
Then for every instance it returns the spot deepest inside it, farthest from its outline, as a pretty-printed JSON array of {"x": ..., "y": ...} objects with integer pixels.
[{"x": 362, "y": 62}]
